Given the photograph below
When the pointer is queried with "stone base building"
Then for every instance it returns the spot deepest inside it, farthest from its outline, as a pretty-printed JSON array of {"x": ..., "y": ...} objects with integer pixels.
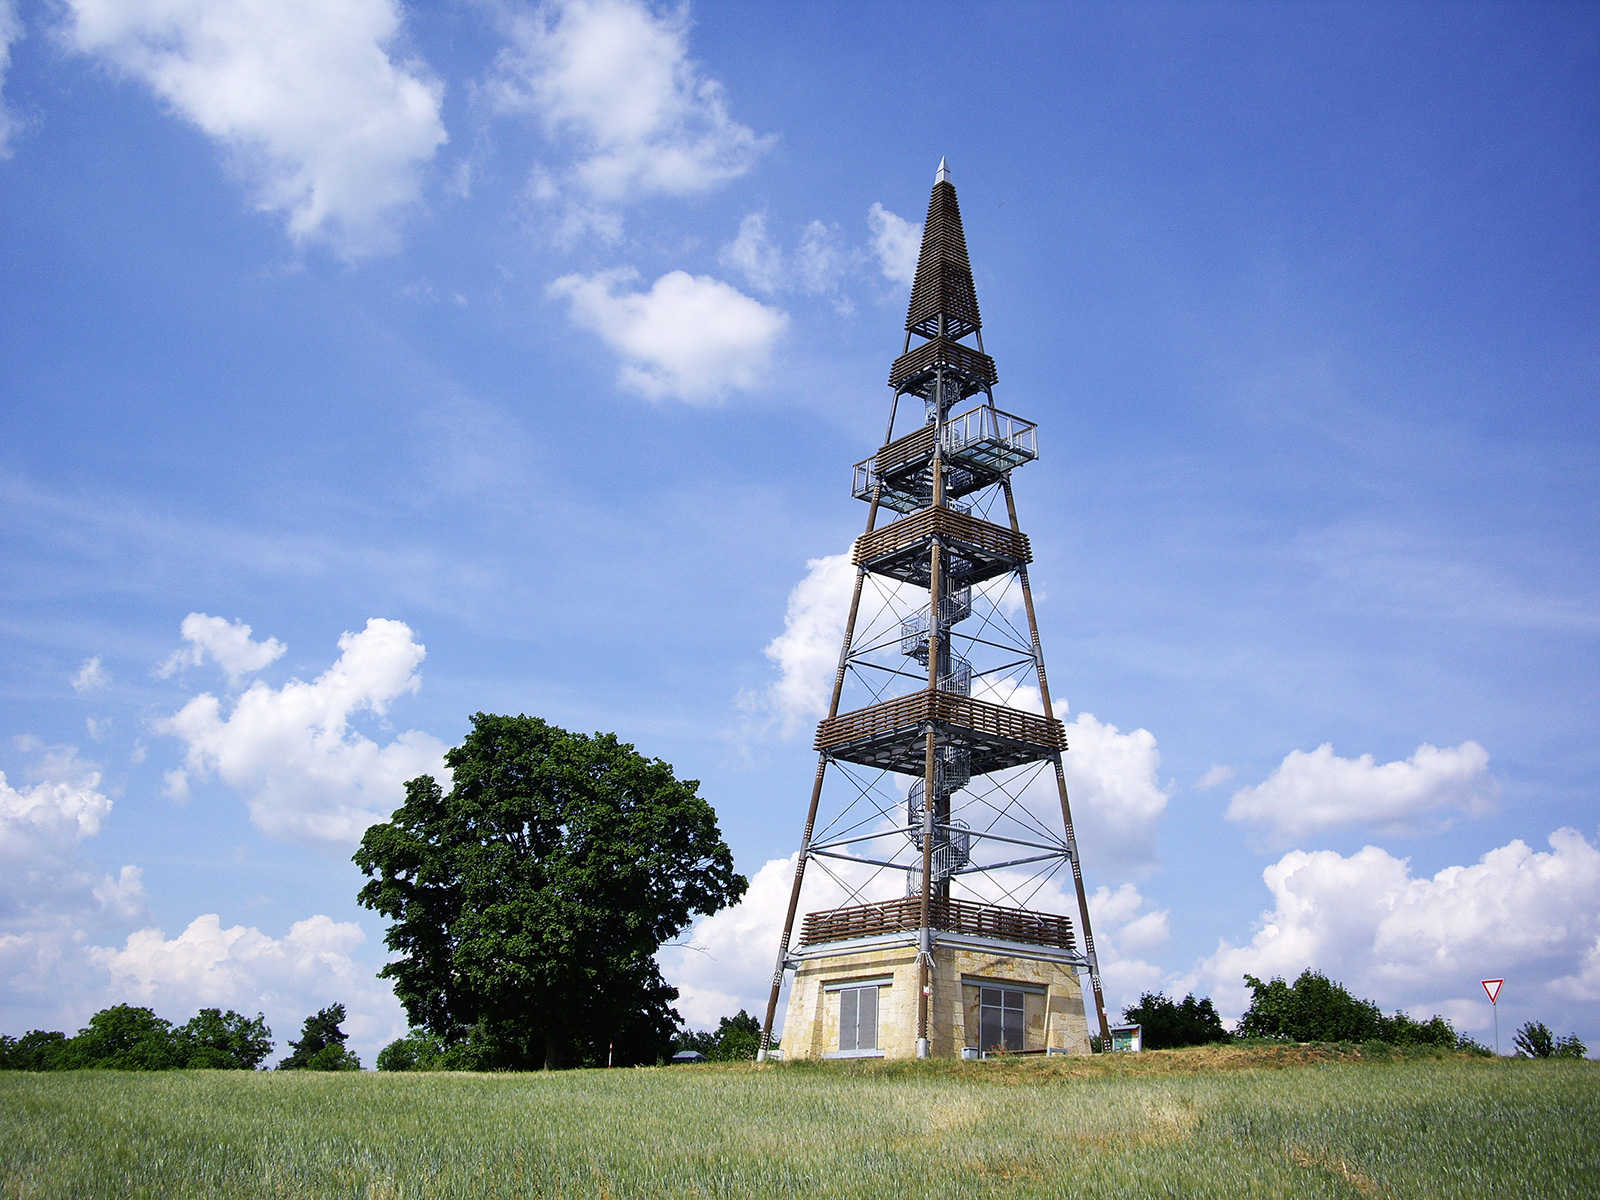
[{"x": 857, "y": 997}]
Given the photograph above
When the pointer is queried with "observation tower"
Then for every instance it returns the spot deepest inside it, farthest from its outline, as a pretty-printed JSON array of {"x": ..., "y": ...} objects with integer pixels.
[{"x": 946, "y": 772}]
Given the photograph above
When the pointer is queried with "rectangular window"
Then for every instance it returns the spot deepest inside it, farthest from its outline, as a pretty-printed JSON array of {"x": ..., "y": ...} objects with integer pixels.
[
  {"x": 1000, "y": 1019},
  {"x": 858, "y": 1018}
]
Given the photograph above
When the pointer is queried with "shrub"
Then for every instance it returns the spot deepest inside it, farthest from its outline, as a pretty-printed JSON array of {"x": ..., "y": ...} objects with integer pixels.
[
  {"x": 1316, "y": 1009},
  {"x": 1534, "y": 1040},
  {"x": 417, "y": 1051},
  {"x": 125, "y": 1038},
  {"x": 1166, "y": 1024},
  {"x": 1401, "y": 1030}
]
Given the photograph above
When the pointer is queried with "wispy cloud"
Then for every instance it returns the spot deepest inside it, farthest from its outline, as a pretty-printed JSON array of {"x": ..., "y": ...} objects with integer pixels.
[
  {"x": 90, "y": 676},
  {"x": 11, "y": 31},
  {"x": 613, "y": 86}
]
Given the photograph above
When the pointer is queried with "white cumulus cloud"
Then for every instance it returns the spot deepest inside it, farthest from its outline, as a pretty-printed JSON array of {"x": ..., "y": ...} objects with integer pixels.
[
  {"x": 228, "y": 644},
  {"x": 1117, "y": 798},
  {"x": 245, "y": 969},
  {"x": 291, "y": 752},
  {"x": 1128, "y": 932},
  {"x": 726, "y": 961},
  {"x": 690, "y": 337},
  {"x": 1309, "y": 793},
  {"x": 806, "y": 653},
  {"x": 1422, "y": 943},
  {"x": 612, "y": 83},
  {"x": 59, "y": 811},
  {"x": 896, "y": 242},
  {"x": 51, "y": 898},
  {"x": 305, "y": 96}
]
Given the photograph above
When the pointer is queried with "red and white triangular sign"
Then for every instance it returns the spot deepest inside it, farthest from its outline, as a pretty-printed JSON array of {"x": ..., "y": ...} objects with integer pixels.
[{"x": 1492, "y": 986}]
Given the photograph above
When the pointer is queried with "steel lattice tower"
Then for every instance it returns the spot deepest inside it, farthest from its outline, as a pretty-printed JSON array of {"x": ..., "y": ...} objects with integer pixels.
[{"x": 958, "y": 708}]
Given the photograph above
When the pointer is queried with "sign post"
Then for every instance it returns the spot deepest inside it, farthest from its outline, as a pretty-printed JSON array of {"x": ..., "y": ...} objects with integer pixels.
[{"x": 1492, "y": 987}]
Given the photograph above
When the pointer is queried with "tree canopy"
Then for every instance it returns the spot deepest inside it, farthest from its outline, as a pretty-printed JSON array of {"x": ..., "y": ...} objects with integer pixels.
[
  {"x": 528, "y": 902},
  {"x": 1316, "y": 1009},
  {"x": 734, "y": 1038},
  {"x": 321, "y": 1044},
  {"x": 126, "y": 1038},
  {"x": 1166, "y": 1024}
]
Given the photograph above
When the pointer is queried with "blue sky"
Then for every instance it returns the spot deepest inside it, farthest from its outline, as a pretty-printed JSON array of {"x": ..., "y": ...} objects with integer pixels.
[{"x": 484, "y": 356}]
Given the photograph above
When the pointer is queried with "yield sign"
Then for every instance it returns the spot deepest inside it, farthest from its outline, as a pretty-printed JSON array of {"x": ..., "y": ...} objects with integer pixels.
[{"x": 1492, "y": 986}]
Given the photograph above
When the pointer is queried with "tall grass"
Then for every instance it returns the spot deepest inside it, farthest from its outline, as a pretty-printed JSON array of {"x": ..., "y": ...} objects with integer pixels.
[{"x": 1204, "y": 1123}]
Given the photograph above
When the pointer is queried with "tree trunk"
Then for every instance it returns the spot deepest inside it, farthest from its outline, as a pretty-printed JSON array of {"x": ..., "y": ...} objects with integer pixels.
[{"x": 554, "y": 1044}]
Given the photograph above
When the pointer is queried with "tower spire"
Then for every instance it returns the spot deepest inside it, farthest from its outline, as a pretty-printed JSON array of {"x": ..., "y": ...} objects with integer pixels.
[
  {"x": 943, "y": 300},
  {"x": 944, "y": 309}
]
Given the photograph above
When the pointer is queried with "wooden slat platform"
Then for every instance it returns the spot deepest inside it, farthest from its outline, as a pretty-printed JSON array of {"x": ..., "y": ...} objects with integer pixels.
[
  {"x": 950, "y": 916},
  {"x": 978, "y": 549},
  {"x": 891, "y": 734}
]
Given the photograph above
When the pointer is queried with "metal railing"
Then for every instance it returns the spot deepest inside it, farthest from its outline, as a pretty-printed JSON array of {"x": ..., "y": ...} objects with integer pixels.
[{"x": 990, "y": 438}]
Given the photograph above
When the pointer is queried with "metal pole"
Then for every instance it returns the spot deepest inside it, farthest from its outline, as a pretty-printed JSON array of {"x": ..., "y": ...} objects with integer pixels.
[
  {"x": 935, "y": 572},
  {"x": 1061, "y": 785},
  {"x": 816, "y": 797}
]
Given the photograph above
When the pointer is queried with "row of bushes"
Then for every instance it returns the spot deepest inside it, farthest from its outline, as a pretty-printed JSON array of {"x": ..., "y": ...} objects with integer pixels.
[
  {"x": 1314, "y": 1008},
  {"x": 125, "y": 1038}
]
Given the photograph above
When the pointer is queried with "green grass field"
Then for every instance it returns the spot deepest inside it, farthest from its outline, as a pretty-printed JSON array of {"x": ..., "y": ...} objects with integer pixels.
[{"x": 1228, "y": 1123}]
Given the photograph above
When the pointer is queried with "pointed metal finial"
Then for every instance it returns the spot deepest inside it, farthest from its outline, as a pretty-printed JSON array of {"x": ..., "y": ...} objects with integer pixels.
[{"x": 942, "y": 175}]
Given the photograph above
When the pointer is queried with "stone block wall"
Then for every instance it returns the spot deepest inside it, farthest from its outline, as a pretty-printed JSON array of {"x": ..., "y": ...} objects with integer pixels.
[{"x": 1055, "y": 1020}]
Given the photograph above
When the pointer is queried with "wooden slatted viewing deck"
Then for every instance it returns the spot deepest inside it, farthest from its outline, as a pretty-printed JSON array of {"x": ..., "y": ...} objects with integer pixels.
[
  {"x": 978, "y": 549},
  {"x": 950, "y": 916},
  {"x": 890, "y": 734}
]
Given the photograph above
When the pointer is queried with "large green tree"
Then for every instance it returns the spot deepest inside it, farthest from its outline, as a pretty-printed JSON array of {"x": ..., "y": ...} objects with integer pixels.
[
  {"x": 529, "y": 900},
  {"x": 225, "y": 1040}
]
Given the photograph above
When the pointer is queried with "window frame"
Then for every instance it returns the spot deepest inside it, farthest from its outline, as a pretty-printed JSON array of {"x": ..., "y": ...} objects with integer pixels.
[
  {"x": 982, "y": 983},
  {"x": 856, "y": 987}
]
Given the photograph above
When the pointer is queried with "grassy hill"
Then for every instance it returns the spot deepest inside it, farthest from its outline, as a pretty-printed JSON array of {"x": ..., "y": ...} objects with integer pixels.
[{"x": 1230, "y": 1122}]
